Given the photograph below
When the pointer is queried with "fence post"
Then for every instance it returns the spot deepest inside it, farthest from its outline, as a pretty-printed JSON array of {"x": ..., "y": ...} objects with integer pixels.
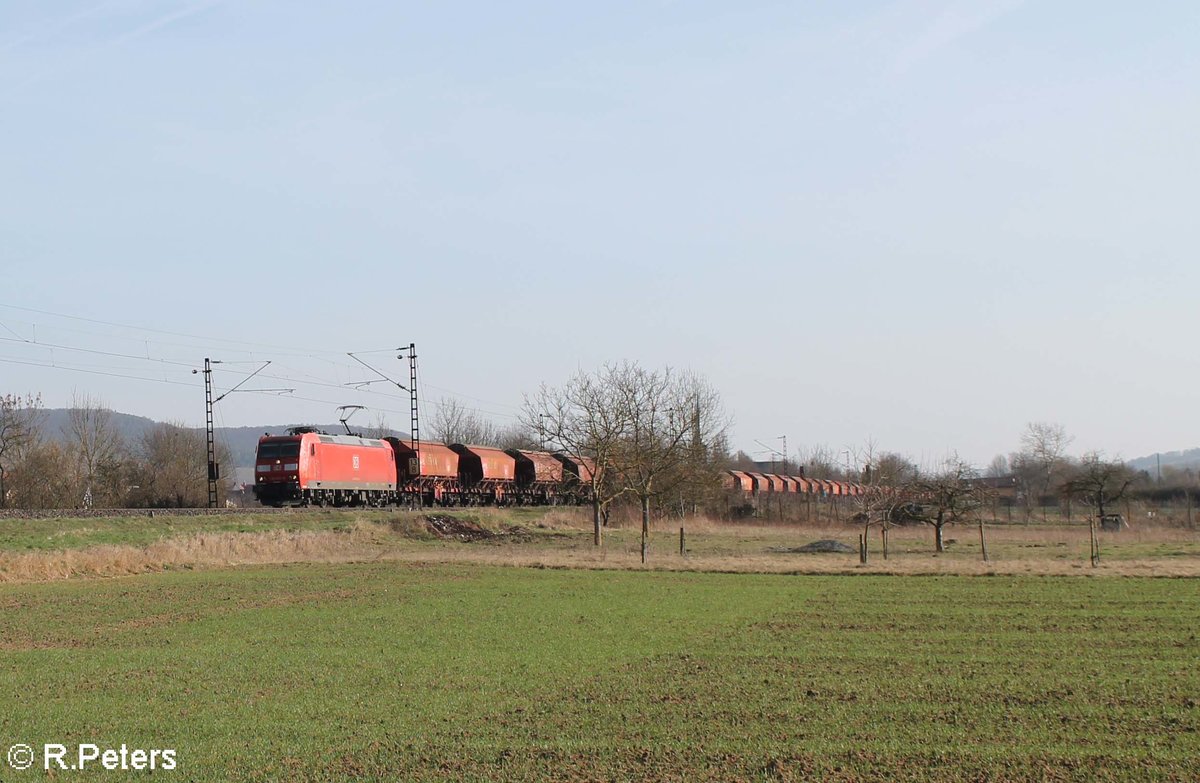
[
  {"x": 682, "y": 550},
  {"x": 1095, "y": 542},
  {"x": 982, "y": 542}
]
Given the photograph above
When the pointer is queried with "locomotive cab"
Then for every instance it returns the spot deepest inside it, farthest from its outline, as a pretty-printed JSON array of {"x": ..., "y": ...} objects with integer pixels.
[{"x": 277, "y": 470}]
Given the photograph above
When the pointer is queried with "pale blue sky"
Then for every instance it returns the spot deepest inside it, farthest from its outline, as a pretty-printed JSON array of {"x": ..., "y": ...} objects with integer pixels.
[{"x": 925, "y": 222}]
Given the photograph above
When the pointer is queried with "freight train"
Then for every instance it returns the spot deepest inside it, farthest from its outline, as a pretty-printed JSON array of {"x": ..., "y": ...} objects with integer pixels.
[
  {"x": 311, "y": 468},
  {"x": 752, "y": 483}
]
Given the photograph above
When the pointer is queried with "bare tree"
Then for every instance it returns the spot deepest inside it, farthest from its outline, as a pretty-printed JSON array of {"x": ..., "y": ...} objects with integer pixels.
[
  {"x": 697, "y": 483},
  {"x": 519, "y": 436},
  {"x": 96, "y": 447},
  {"x": 43, "y": 478},
  {"x": 585, "y": 419},
  {"x": 379, "y": 427},
  {"x": 1043, "y": 454},
  {"x": 455, "y": 423},
  {"x": 19, "y": 421},
  {"x": 669, "y": 413},
  {"x": 821, "y": 462},
  {"x": 878, "y": 473},
  {"x": 998, "y": 467},
  {"x": 943, "y": 498},
  {"x": 1099, "y": 482},
  {"x": 172, "y": 468}
]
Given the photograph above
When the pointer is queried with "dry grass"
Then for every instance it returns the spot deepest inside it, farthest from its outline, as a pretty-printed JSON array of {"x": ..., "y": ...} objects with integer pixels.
[
  {"x": 194, "y": 551},
  {"x": 628, "y": 558},
  {"x": 561, "y": 538}
]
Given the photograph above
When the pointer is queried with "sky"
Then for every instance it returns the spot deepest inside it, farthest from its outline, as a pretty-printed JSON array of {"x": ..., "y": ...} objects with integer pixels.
[{"x": 923, "y": 223}]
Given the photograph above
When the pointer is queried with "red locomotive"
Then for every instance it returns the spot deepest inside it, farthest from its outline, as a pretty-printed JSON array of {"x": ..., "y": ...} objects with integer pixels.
[
  {"x": 313, "y": 468},
  {"x": 321, "y": 469}
]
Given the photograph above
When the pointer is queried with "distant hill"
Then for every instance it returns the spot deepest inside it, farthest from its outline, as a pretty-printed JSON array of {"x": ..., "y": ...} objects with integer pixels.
[
  {"x": 1189, "y": 458},
  {"x": 56, "y": 421},
  {"x": 241, "y": 441}
]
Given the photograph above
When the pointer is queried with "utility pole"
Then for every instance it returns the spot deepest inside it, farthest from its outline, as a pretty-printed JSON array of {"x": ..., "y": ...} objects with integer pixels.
[
  {"x": 214, "y": 470},
  {"x": 414, "y": 417},
  {"x": 414, "y": 428}
]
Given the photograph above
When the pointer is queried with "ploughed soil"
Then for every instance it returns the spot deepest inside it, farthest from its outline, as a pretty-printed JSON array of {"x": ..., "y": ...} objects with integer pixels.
[{"x": 453, "y": 528}]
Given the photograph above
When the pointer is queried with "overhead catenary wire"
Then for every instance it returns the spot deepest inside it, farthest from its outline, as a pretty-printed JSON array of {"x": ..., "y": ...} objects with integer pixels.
[
  {"x": 288, "y": 350},
  {"x": 304, "y": 379},
  {"x": 274, "y": 347}
]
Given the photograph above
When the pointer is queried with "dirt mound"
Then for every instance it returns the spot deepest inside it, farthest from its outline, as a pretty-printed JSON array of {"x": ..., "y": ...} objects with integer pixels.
[
  {"x": 457, "y": 529},
  {"x": 825, "y": 545}
]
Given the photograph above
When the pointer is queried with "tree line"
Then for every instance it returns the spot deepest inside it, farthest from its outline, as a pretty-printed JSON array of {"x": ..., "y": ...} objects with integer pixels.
[
  {"x": 657, "y": 438},
  {"x": 90, "y": 465}
]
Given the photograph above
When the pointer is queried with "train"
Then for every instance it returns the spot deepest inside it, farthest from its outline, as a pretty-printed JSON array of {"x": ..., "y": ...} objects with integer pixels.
[
  {"x": 758, "y": 484},
  {"x": 307, "y": 467}
]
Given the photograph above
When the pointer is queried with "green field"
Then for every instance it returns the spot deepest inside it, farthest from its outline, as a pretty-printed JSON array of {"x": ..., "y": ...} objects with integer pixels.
[{"x": 402, "y": 671}]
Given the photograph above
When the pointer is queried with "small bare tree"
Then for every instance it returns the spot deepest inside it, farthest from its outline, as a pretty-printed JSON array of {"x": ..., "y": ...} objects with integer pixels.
[
  {"x": 585, "y": 419},
  {"x": 1099, "y": 482},
  {"x": 379, "y": 427},
  {"x": 19, "y": 422},
  {"x": 1043, "y": 455},
  {"x": 998, "y": 467},
  {"x": 519, "y": 436},
  {"x": 943, "y": 498},
  {"x": 96, "y": 447},
  {"x": 878, "y": 473},
  {"x": 821, "y": 462},
  {"x": 455, "y": 423},
  {"x": 668, "y": 414}
]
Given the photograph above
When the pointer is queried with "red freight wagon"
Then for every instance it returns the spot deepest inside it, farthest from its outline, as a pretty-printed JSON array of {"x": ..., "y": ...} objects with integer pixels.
[
  {"x": 577, "y": 469},
  {"x": 761, "y": 483},
  {"x": 482, "y": 463},
  {"x": 742, "y": 480},
  {"x": 435, "y": 479},
  {"x": 438, "y": 461},
  {"x": 486, "y": 473},
  {"x": 539, "y": 476},
  {"x": 313, "y": 468},
  {"x": 536, "y": 467},
  {"x": 577, "y": 477}
]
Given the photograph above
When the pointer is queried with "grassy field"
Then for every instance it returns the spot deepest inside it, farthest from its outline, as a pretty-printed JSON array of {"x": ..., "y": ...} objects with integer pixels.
[
  {"x": 409, "y": 671},
  {"x": 369, "y": 646},
  {"x": 44, "y": 549}
]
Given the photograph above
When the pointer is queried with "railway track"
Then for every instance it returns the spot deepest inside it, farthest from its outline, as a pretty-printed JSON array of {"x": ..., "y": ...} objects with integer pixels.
[{"x": 108, "y": 513}]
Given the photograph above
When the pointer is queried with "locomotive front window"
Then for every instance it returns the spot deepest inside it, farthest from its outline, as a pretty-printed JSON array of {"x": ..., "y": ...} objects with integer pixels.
[
  {"x": 268, "y": 450},
  {"x": 289, "y": 449}
]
